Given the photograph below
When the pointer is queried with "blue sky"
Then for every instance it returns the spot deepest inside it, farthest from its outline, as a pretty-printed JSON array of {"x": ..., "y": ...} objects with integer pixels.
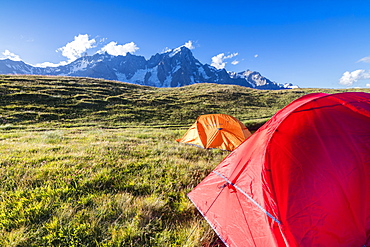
[{"x": 307, "y": 43}]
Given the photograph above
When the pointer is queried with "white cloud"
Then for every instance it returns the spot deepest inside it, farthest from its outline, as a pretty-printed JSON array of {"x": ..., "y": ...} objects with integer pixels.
[
  {"x": 189, "y": 45},
  {"x": 77, "y": 47},
  {"x": 368, "y": 85},
  {"x": 231, "y": 55},
  {"x": 256, "y": 55},
  {"x": 9, "y": 55},
  {"x": 365, "y": 60},
  {"x": 81, "y": 43},
  {"x": 113, "y": 49},
  {"x": 218, "y": 60},
  {"x": 348, "y": 78},
  {"x": 102, "y": 40},
  {"x": 235, "y": 62}
]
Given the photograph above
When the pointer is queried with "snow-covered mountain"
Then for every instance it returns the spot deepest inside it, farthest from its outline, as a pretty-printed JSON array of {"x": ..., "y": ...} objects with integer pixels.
[{"x": 175, "y": 68}]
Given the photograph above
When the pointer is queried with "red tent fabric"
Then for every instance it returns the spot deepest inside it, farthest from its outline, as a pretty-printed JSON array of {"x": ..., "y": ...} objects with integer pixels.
[{"x": 303, "y": 179}]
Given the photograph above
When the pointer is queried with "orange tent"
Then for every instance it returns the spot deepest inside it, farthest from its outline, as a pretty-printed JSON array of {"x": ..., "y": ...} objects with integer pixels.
[{"x": 216, "y": 131}]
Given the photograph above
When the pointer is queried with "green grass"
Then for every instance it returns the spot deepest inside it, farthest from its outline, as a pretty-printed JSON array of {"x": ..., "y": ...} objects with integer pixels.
[
  {"x": 101, "y": 187},
  {"x": 71, "y": 101},
  {"x": 86, "y": 162}
]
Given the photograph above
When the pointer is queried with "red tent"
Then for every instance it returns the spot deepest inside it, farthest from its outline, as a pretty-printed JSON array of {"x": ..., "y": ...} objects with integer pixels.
[{"x": 303, "y": 179}]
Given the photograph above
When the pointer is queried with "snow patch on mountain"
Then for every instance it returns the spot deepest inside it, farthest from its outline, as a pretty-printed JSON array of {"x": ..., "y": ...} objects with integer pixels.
[
  {"x": 167, "y": 81},
  {"x": 81, "y": 66},
  {"x": 174, "y": 68},
  {"x": 203, "y": 73}
]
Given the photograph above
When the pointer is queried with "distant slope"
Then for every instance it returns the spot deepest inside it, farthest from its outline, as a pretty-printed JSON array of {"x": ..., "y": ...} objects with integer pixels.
[{"x": 70, "y": 100}]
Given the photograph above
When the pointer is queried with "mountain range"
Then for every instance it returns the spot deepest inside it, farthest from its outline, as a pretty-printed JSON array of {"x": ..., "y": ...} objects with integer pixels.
[{"x": 175, "y": 68}]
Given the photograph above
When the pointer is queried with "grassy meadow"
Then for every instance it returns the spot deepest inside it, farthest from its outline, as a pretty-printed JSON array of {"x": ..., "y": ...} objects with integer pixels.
[{"x": 89, "y": 162}]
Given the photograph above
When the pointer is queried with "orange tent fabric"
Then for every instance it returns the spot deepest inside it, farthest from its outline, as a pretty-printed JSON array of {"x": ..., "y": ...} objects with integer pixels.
[{"x": 216, "y": 131}]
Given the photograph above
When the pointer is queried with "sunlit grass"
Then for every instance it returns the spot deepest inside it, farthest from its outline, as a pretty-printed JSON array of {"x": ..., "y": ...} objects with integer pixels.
[
  {"x": 101, "y": 187},
  {"x": 87, "y": 162},
  {"x": 71, "y": 101}
]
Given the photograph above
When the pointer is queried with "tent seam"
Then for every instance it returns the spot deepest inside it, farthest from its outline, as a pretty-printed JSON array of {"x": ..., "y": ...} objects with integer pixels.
[
  {"x": 208, "y": 221},
  {"x": 249, "y": 197}
]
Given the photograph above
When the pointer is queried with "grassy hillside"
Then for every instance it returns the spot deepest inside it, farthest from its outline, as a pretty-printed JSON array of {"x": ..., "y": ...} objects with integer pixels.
[
  {"x": 86, "y": 162},
  {"x": 67, "y": 101}
]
